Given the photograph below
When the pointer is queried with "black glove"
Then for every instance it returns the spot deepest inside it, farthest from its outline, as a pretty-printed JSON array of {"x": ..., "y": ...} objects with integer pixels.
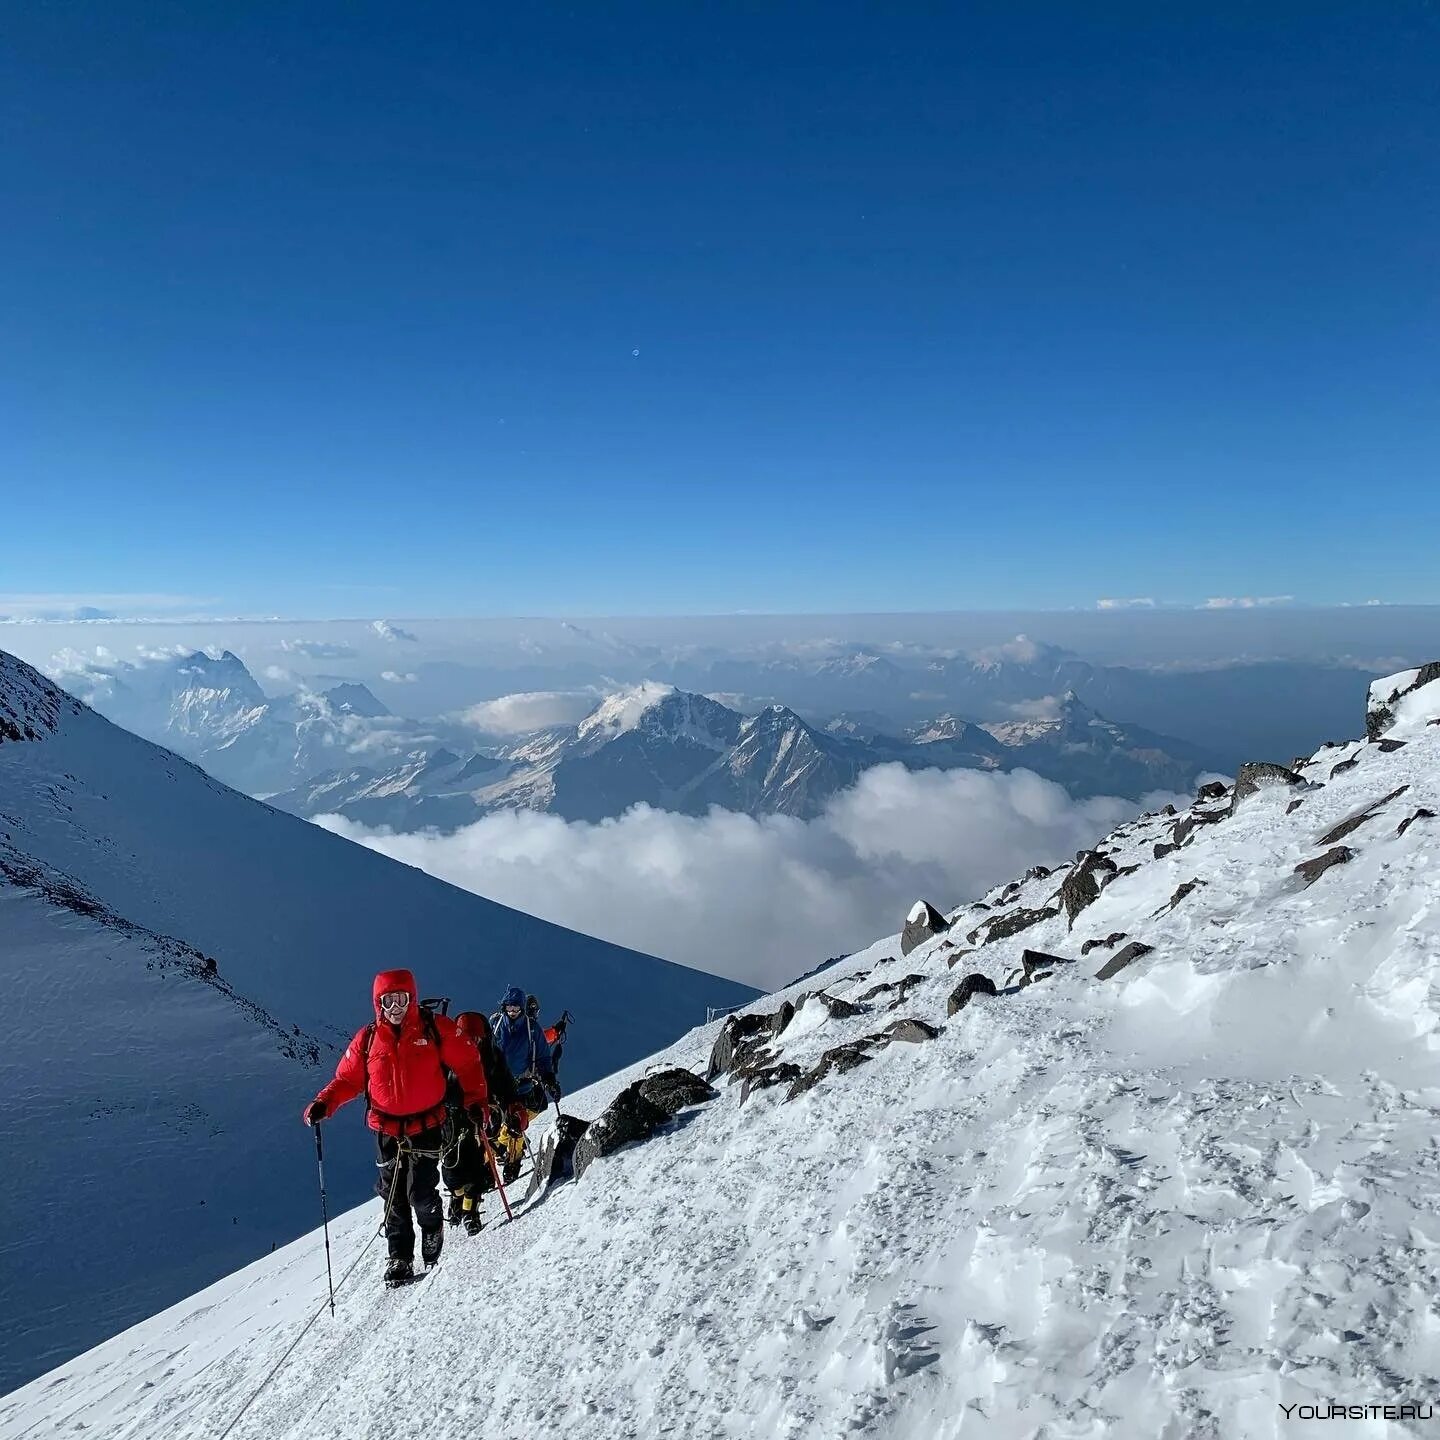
[
  {"x": 479, "y": 1112},
  {"x": 552, "y": 1089},
  {"x": 315, "y": 1112}
]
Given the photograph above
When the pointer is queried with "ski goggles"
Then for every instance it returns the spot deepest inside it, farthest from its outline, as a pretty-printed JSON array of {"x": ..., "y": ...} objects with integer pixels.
[
  {"x": 513, "y": 1011},
  {"x": 395, "y": 1003}
]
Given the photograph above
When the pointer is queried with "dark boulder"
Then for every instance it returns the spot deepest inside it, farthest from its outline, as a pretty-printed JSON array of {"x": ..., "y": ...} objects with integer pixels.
[
  {"x": 1312, "y": 870},
  {"x": 1421, "y": 814},
  {"x": 628, "y": 1117},
  {"x": 1037, "y": 965},
  {"x": 839, "y": 1009},
  {"x": 902, "y": 987},
  {"x": 1114, "y": 938},
  {"x": 1213, "y": 790},
  {"x": 1353, "y": 822},
  {"x": 1389, "y": 747},
  {"x": 672, "y": 1090},
  {"x": 966, "y": 990},
  {"x": 785, "y": 1073},
  {"x": 839, "y": 1061},
  {"x": 1037, "y": 872},
  {"x": 951, "y": 961},
  {"x": 1001, "y": 927},
  {"x": 1162, "y": 850},
  {"x": 1294, "y": 805},
  {"x": 1181, "y": 891},
  {"x": 1345, "y": 765},
  {"x": 1256, "y": 775},
  {"x": 737, "y": 1034},
  {"x": 923, "y": 923},
  {"x": 1117, "y": 962},
  {"x": 781, "y": 1018},
  {"x": 910, "y": 1031},
  {"x": 1081, "y": 887}
]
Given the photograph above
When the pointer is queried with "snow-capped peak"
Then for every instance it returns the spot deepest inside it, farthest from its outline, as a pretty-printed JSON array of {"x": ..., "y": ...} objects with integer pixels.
[{"x": 622, "y": 711}]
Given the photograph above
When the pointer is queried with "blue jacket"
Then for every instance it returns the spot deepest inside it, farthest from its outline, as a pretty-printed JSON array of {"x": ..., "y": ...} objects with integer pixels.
[{"x": 523, "y": 1044}]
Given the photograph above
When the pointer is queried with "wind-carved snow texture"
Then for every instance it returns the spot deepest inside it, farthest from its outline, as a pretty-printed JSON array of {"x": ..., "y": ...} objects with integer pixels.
[
  {"x": 1159, "y": 1205},
  {"x": 180, "y": 964}
]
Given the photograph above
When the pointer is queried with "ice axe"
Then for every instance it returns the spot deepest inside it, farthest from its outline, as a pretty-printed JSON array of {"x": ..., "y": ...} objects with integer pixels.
[{"x": 324, "y": 1213}]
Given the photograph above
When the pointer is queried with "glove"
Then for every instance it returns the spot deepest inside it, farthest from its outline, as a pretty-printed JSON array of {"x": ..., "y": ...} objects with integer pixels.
[
  {"x": 479, "y": 1112},
  {"x": 495, "y": 1118},
  {"x": 518, "y": 1119},
  {"x": 315, "y": 1112},
  {"x": 552, "y": 1089}
]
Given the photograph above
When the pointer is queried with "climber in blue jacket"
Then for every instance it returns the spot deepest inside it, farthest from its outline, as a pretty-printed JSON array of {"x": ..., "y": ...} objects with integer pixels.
[{"x": 520, "y": 1038}]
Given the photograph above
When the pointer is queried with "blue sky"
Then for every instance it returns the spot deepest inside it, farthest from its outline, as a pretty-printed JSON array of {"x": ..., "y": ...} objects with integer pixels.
[{"x": 455, "y": 309}]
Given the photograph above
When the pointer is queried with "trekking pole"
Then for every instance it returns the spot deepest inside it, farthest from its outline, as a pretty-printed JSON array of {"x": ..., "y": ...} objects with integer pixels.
[
  {"x": 495, "y": 1171},
  {"x": 324, "y": 1214}
]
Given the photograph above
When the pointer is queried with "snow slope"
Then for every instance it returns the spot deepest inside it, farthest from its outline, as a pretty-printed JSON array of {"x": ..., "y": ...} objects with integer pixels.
[
  {"x": 1162, "y": 1204},
  {"x": 180, "y": 964}
]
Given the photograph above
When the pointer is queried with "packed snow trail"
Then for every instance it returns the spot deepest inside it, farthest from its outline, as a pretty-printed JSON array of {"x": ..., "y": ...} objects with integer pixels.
[{"x": 1162, "y": 1205}]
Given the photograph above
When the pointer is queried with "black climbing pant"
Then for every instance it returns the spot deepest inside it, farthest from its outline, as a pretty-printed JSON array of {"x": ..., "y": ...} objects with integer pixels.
[
  {"x": 464, "y": 1166},
  {"x": 409, "y": 1180}
]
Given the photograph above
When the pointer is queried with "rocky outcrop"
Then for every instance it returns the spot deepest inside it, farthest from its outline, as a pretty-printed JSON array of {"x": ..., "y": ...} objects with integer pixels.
[
  {"x": 1352, "y": 823},
  {"x": 900, "y": 988},
  {"x": 1002, "y": 927},
  {"x": 1181, "y": 891},
  {"x": 1037, "y": 965},
  {"x": 675, "y": 1089},
  {"x": 1311, "y": 870},
  {"x": 1117, "y": 962},
  {"x": 1256, "y": 775},
  {"x": 738, "y": 1034},
  {"x": 1114, "y": 938},
  {"x": 1081, "y": 887},
  {"x": 1386, "y": 694},
  {"x": 628, "y": 1117},
  {"x": 967, "y": 990},
  {"x": 1421, "y": 814},
  {"x": 1213, "y": 790},
  {"x": 923, "y": 923}
]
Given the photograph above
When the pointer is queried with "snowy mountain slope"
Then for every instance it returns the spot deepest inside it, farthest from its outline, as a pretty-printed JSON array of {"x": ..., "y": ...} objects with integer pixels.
[
  {"x": 132, "y": 855},
  {"x": 1164, "y": 1203}
]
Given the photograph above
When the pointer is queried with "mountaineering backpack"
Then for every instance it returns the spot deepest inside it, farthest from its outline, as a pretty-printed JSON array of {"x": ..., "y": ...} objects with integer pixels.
[{"x": 529, "y": 1077}]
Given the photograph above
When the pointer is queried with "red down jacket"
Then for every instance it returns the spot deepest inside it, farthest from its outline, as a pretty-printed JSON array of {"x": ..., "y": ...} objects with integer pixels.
[{"x": 406, "y": 1070}]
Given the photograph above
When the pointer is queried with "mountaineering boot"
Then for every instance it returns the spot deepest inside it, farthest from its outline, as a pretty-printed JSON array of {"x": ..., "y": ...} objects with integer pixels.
[
  {"x": 474, "y": 1216},
  {"x": 454, "y": 1214},
  {"x": 398, "y": 1271},
  {"x": 430, "y": 1243}
]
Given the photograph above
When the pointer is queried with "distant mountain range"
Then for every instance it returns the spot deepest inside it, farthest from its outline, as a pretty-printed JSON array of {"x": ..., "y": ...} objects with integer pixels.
[{"x": 684, "y": 752}]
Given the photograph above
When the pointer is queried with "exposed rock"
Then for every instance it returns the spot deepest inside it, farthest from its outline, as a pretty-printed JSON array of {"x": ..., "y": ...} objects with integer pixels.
[
  {"x": 1106, "y": 943},
  {"x": 1081, "y": 887},
  {"x": 1181, "y": 892},
  {"x": 1162, "y": 850},
  {"x": 736, "y": 1030},
  {"x": 785, "y": 1073},
  {"x": 629, "y": 1116},
  {"x": 1345, "y": 765},
  {"x": 1421, "y": 814},
  {"x": 1168, "y": 810},
  {"x": 1125, "y": 870},
  {"x": 1117, "y": 962},
  {"x": 1354, "y": 822},
  {"x": 1389, "y": 747},
  {"x": 839, "y": 1009},
  {"x": 952, "y": 960},
  {"x": 1385, "y": 695},
  {"x": 1214, "y": 790},
  {"x": 781, "y": 1018},
  {"x": 1037, "y": 872},
  {"x": 923, "y": 923},
  {"x": 903, "y": 985},
  {"x": 1004, "y": 926},
  {"x": 672, "y": 1090},
  {"x": 910, "y": 1031},
  {"x": 1312, "y": 870},
  {"x": 1037, "y": 965},
  {"x": 966, "y": 990},
  {"x": 1255, "y": 775},
  {"x": 839, "y": 1061},
  {"x": 1191, "y": 821},
  {"x": 1294, "y": 805}
]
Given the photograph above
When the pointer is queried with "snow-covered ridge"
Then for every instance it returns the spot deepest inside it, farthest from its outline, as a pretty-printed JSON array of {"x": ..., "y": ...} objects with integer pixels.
[
  {"x": 30, "y": 705},
  {"x": 1176, "y": 1173}
]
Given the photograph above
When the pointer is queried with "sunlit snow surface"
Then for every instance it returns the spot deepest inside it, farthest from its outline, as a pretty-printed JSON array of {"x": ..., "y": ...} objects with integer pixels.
[{"x": 1158, "y": 1206}]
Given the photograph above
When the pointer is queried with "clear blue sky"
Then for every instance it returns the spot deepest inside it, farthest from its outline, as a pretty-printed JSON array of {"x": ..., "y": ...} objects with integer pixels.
[{"x": 325, "y": 308}]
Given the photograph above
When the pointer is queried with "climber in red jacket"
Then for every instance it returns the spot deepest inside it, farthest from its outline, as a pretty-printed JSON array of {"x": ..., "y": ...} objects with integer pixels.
[{"x": 399, "y": 1064}]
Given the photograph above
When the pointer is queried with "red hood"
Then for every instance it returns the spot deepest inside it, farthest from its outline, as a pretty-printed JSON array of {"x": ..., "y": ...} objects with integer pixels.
[{"x": 388, "y": 980}]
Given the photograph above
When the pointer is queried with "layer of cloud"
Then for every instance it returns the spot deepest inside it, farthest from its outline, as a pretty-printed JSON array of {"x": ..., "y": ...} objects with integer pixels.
[
  {"x": 1136, "y": 602},
  {"x": 318, "y": 649},
  {"x": 1246, "y": 602},
  {"x": 396, "y": 678},
  {"x": 388, "y": 631},
  {"x": 529, "y": 710},
  {"x": 762, "y": 900},
  {"x": 38, "y": 608}
]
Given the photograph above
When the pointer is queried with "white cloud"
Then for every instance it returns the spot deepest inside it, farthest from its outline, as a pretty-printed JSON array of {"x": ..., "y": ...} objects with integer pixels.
[
  {"x": 529, "y": 710},
  {"x": 1245, "y": 602},
  {"x": 386, "y": 631},
  {"x": 35, "y": 608},
  {"x": 1138, "y": 602},
  {"x": 1047, "y": 707},
  {"x": 278, "y": 673},
  {"x": 396, "y": 678},
  {"x": 318, "y": 649},
  {"x": 762, "y": 900}
]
